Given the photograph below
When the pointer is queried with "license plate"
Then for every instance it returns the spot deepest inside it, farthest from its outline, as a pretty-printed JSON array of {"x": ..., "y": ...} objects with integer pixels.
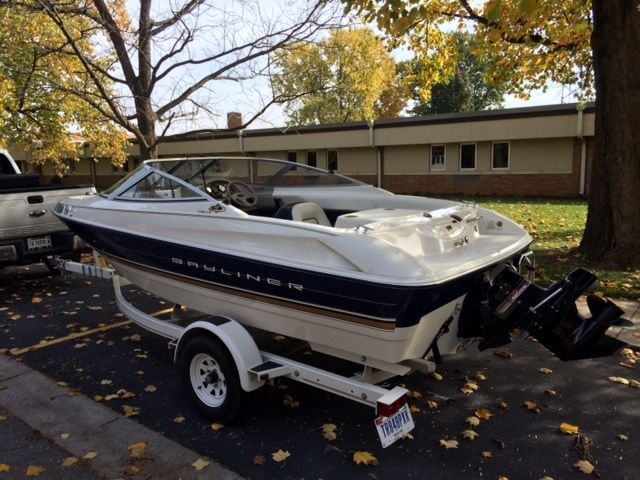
[
  {"x": 38, "y": 243},
  {"x": 394, "y": 427}
]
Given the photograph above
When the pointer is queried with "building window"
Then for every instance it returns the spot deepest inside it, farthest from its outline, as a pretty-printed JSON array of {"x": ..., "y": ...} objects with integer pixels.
[
  {"x": 292, "y": 157},
  {"x": 312, "y": 159},
  {"x": 437, "y": 157},
  {"x": 332, "y": 160},
  {"x": 500, "y": 155},
  {"x": 468, "y": 156}
]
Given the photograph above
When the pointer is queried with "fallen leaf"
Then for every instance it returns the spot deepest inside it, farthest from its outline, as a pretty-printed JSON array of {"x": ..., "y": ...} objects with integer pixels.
[
  {"x": 150, "y": 388},
  {"x": 124, "y": 394},
  {"x": 634, "y": 384},
  {"x": 329, "y": 431},
  {"x": 503, "y": 354},
  {"x": 469, "y": 387},
  {"x": 584, "y": 466},
  {"x": 551, "y": 393},
  {"x": 470, "y": 434},
  {"x": 259, "y": 460},
  {"x": 414, "y": 409},
  {"x": 436, "y": 376},
  {"x": 503, "y": 405},
  {"x": 484, "y": 414},
  {"x": 4, "y": 468},
  {"x": 34, "y": 470},
  {"x": 106, "y": 382},
  {"x": 280, "y": 455},
  {"x": 449, "y": 444},
  {"x": 408, "y": 436},
  {"x": 620, "y": 380},
  {"x": 481, "y": 377},
  {"x": 473, "y": 421},
  {"x": 36, "y": 300},
  {"x": 487, "y": 454},
  {"x": 431, "y": 404},
  {"x": 2, "y": 418},
  {"x": 90, "y": 455},
  {"x": 64, "y": 436},
  {"x": 531, "y": 406},
  {"x": 569, "y": 429},
  {"x": 135, "y": 338},
  {"x": 545, "y": 370},
  {"x": 365, "y": 458},
  {"x": 414, "y": 394},
  {"x": 130, "y": 411},
  {"x": 132, "y": 470},
  {"x": 137, "y": 450},
  {"x": 627, "y": 365},
  {"x": 179, "y": 419},
  {"x": 200, "y": 464},
  {"x": 70, "y": 461},
  {"x": 502, "y": 477},
  {"x": 216, "y": 426},
  {"x": 546, "y": 477},
  {"x": 288, "y": 401},
  {"x": 622, "y": 437}
]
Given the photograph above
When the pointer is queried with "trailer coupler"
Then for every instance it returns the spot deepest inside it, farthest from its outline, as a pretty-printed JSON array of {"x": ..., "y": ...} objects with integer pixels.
[{"x": 550, "y": 315}]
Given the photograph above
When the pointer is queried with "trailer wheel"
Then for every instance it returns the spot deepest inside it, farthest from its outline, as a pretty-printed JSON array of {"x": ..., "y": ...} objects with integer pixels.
[{"x": 210, "y": 378}]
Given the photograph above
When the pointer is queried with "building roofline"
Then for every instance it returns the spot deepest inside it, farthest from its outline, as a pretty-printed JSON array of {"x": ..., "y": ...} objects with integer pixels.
[{"x": 445, "y": 118}]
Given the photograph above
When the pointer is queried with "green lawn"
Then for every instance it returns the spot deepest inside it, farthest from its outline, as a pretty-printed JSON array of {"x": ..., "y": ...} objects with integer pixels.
[{"x": 557, "y": 226}]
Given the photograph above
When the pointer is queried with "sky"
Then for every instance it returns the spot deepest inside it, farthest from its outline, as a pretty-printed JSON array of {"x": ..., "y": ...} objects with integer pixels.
[{"x": 229, "y": 21}]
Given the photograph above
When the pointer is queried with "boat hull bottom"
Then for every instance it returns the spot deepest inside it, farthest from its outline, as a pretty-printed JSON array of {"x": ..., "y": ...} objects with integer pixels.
[{"x": 379, "y": 348}]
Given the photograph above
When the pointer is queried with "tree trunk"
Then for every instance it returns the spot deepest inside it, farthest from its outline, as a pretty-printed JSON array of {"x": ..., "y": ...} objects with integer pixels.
[
  {"x": 612, "y": 233},
  {"x": 142, "y": 90}
]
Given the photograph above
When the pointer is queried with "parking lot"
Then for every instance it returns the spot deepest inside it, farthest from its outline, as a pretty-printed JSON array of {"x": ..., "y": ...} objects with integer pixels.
[{"x": 80, "y": 340}]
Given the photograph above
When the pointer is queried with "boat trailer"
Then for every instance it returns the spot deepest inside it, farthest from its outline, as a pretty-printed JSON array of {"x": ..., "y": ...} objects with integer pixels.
[
  {"x": 215, "y": 377},
  {"x": 219, "y": 359}
]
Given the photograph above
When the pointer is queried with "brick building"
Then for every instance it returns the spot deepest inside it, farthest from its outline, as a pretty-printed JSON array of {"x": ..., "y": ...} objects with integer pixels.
[{"x": 532, "y": 151}]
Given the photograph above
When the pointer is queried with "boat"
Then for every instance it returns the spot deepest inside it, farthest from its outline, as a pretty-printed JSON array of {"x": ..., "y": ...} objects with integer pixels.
[{"x": 359, "y": 273}]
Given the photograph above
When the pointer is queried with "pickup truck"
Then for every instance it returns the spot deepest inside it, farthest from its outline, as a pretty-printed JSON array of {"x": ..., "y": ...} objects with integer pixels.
[{"x": 29, "y": 232}]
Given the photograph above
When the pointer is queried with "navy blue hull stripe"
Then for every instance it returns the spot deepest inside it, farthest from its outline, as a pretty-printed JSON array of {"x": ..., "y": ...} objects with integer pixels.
[
  {"x": 360, "y": 298},
  {"x": 379, "y": 324}
]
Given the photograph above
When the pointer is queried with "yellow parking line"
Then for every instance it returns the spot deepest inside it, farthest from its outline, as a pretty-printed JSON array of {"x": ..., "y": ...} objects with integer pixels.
[
  {"x": 73, "y": 336},
  {"x": 21, "y": 351}
]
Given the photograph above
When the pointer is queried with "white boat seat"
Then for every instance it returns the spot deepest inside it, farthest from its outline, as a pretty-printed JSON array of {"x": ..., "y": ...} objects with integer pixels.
[{"x": 307, "y": 212}]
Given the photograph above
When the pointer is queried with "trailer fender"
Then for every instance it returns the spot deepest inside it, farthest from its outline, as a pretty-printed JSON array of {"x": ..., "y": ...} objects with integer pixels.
[{"x": 235, "y": 338}]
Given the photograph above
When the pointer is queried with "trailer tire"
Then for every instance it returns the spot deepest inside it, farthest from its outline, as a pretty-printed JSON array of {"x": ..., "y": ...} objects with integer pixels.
[{"x": 210, "y": 377}]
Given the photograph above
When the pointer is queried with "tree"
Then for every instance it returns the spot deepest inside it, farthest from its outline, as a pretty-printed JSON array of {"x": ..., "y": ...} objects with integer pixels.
[
  {"x": 164, "y": 64},
  {"x": 37, "y": 105},
  {"x": 573, "y": 42},
  {"x": 467, "y": 90},
  {"x": 349, "y": 76}
]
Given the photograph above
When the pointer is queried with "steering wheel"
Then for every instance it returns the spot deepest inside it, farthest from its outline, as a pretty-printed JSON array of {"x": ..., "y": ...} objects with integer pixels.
[{"x": 239, "y": 193}]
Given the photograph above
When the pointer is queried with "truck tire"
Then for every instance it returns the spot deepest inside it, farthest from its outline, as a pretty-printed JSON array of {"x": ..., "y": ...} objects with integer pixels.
[{"x": 210, "y": 378}]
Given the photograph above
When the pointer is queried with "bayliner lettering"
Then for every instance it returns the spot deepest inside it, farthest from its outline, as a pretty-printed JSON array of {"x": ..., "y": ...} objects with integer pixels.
[{"x": 231, "y": 273}]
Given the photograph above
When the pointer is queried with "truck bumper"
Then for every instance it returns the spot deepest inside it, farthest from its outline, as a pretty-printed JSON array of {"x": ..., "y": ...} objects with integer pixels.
[{"x": 17, "y": 252}]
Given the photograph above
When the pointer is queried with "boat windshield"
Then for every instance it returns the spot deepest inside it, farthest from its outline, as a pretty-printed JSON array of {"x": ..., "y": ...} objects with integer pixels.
[{"x": 199, "y": 172}]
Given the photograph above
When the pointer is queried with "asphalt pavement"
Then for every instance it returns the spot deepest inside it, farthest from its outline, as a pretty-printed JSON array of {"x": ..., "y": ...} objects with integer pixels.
[{"x": 72, "y": 364}]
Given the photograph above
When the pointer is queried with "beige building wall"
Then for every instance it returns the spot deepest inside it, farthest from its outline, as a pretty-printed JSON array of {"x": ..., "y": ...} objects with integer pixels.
[
  {"x": 553, "y": 155},
  {"x": 357, "y": 161},
  {"x": 406, "y": 159}
]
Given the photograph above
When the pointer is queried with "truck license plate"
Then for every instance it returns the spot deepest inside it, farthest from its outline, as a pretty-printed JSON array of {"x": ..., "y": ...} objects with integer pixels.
[
  {"x": 395, "y": 426},
  {"x": 38, "y": 243}
]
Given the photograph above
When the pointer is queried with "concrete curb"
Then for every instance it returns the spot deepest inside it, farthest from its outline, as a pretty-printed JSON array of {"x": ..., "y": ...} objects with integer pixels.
[{"x": 47, "y": 408}]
